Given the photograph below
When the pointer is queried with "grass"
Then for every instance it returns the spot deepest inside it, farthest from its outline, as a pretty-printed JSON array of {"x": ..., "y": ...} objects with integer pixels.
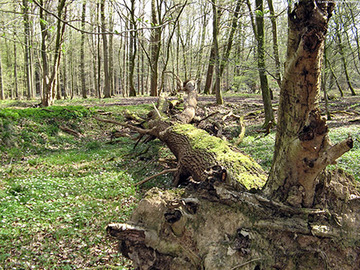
[
  {"x": 262, "y": 148},
  {"x": 58, "y": 192}
]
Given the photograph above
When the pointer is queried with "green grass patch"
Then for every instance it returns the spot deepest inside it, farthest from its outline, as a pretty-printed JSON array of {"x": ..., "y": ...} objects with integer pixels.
[
  {"x": 58, "y": 192},
  {"x": 262, "y": 148}
]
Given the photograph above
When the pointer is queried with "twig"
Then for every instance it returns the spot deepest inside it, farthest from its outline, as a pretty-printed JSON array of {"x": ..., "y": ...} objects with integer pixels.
[
  {"x": 139, "y": 130},
  {"x": 70, "y": 131},
  {"x": 245, "y": 263},
  {"x": 156, "y": 175},
  {"x": 210, "y": 115}
]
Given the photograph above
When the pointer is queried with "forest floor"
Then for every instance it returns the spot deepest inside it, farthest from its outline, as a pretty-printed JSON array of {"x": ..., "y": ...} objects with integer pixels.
[{"x": 58, "y": 191}]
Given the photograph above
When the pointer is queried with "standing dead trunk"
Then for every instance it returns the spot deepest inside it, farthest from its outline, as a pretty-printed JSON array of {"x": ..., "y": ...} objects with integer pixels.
[{"x": 302, "y": 147}]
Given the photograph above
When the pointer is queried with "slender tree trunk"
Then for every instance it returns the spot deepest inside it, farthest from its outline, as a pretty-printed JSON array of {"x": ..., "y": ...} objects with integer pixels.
[
  {"x": 44, "y": 57},
  {"x": 302, "y": 146},
  {"x": 210, "y": 71},
  {"x": 275, "y": 42},
  {"x": 16, "y": 87},
  {"x": 343, "y": 59},
  {"x": 219, "y": 99},
  {"x": 29, "y": 89},
  {"x": 82, "y": 52},
  {"x": 64, "y": 77},
  {"x": 265, "y": 91},
  {"x": 105, "y": 51},
  {"x": 132, "y": 50},
  {"x": 111, "y": 52},
  {"x": 51, "y": 79},
  {"x": 155, "y": 44},
  {"x": 2, "y": 94},
  {"x": 335, "y": 78},
  {"x": 234, "y": 24},
  {"x": 98, "y": 84},
  {"x": 201, "y": 49}
]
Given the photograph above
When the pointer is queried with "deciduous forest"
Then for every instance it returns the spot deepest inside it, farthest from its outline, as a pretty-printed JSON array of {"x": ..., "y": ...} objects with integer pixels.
[{"x": 211, "y": 134}]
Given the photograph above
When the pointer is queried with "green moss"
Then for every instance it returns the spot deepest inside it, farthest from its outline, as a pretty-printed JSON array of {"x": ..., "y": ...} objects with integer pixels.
[{"x": 241, "y": 167}]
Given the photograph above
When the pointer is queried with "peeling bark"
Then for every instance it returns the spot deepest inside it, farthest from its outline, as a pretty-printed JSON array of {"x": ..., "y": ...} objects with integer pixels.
[{"x": 303, "y": 148}]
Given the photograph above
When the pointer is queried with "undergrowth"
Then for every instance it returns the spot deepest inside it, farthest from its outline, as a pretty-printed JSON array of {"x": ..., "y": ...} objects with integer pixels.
[{"x": 58, "y": 192}]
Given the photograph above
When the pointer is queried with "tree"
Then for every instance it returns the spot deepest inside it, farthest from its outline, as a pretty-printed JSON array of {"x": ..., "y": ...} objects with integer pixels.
[
  {"x": 82, "y": 52},
  {"x": 302, "y": 147},
  {"x": 343, "y": 58},
  {"x": 50, "y": 79},
  {"x": 132, "y": 48},
  {"x": 27, "y": 58},
  {"x": 155, "y": 45},
  {"x": 217, "y": 88},
  {"x": 275, "y": 42},
  {"x": 260, "y": 37},
  {"x": 2, "y": 95},
  {"x": 107, "y": 92}
]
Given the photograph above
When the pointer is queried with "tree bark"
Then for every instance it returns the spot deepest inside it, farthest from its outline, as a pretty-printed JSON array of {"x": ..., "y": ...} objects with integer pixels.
[
  {"x": 302, "y": 146},
  {"x": 275, "y": 42},
  {"x": 155, "y": 44},
  {"x": 2, "y": 94},
  {"x": 107, "y": 92},
  {"x": 27, "y": 59},
  {"x": 343, "y": 59},
  {"x": 265, "y": 90},
  {"x": 217, "y": 84},
  {"x": 50, "y": 80},
  {"x": 82, "y": 52}
]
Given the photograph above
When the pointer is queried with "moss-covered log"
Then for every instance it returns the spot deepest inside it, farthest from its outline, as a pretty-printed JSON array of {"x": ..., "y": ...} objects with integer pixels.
[{"x": 197, "y": 152}]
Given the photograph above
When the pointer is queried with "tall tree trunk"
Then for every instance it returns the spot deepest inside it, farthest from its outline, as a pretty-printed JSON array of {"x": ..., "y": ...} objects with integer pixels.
[
  {"x": 201, "y": 49},
  {"x": 44, "y": 57},
  {"x": 210, "y": 71},
  {"x": 302, "y": 146},
  {"x": 27, "y": 61},
  {"x": 16, "y": 86},
  {"x": 50, "y": 80},
  {"x": 155, "y": 44},
  {"x": 98, "y": 80},
  {"x": 275, "y": 43},
  {"x": 111, "y": 52},
  {"x": 64, "y": 77},
  {"x": 265, "y": 91},
  {"x": 2, "y": 94},
  {"x": 229, "y": 43},
  {"x": 82, "y": 52},
  {"x": 335, "y": 78},
  {"x": 343, "y": 58},
  {"x": 107, "y": 93},
  {"x": 217, "y": 87},
  {"x": 132, "y": 49}
]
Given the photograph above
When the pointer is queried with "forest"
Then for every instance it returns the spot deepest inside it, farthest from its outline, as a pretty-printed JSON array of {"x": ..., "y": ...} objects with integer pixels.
[
  {"x": 128, "y": 48},
  {"x": 211, "y": 134}
]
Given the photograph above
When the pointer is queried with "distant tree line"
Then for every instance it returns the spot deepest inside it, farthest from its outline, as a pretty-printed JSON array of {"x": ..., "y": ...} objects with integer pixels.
[{"x": 63, "y": 49}]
